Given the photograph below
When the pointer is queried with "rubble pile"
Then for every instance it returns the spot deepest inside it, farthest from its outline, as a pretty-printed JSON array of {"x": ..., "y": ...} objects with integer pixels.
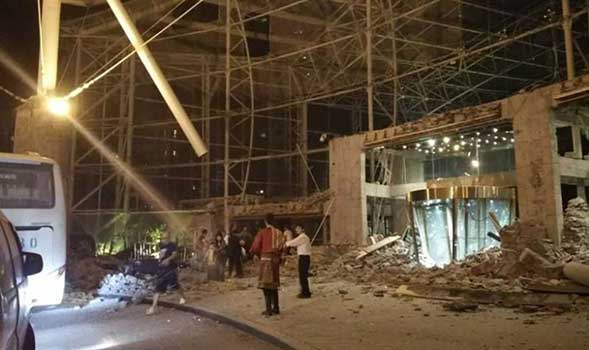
[
  {"x": 576, "y": 220},
  {"x": 126, "y": 286},
  {"x": 576, "y": 230},
  {"x": 523, "y": 255},
  {"x": 85, "y": 274},
  {"x": 387, "y": 264}
]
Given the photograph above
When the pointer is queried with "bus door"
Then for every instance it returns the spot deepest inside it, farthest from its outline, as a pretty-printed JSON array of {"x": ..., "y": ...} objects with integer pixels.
[{"x": 8, "y": 293}]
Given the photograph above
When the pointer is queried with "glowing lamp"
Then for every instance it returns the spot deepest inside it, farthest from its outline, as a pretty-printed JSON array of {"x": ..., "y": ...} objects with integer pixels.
[{"x": 59, "y": 106}]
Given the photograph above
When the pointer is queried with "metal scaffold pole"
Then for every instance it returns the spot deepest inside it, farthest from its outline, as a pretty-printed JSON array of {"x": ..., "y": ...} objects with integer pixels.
[
  {"x": 567, "y": 25},
  {"x": 158, "y": 77},
  {"x": 227, "y": 112}
]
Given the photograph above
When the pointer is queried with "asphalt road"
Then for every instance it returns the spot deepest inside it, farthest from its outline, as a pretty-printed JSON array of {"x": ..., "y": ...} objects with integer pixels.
[{"x": 110, "y": 326}]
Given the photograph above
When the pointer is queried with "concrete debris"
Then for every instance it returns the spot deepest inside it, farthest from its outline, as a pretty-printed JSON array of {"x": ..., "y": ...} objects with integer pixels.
[
  {"x": 576, "y": 231},
  {"x": 126, "y": 286},
  {"x": 522, "y": 255},
  {"x": 577, "y": 272},
  {"x": 86, "y": 274},
  {"x": 376, "y": 246},
  {"x": 576, "y": 220},
  {"x": 461, "y": 307}
]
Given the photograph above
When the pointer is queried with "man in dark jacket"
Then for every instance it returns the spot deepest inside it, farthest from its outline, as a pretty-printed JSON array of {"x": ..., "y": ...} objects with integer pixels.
[
  {"x": 234, "y": 253},
  {"x": 167, "y": 275}
]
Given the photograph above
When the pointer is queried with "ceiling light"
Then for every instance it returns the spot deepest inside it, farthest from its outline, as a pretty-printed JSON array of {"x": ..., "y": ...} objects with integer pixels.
[
  {"x": 456, "y": 147},
  {"x": 58, "y": 106},
  {"x": 446, "y": 139},
  {"x": 431, "y": 142},
  {"x": 404, "y": 146},
  {"x": 463, "y": 143},
  {"x": 495, "y": 129}
]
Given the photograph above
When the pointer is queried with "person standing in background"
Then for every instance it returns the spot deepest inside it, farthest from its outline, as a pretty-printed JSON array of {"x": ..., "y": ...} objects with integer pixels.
[
  {"x": 268, "y": 246},
  {"x": 215, "y": 259},
  {"x": 288, "y": 235},
  {"x": 303, "y": 244},
  {"x": 234, "y": 253}
]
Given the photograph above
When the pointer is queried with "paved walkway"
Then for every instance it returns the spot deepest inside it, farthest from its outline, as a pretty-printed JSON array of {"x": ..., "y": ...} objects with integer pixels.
[
  {"x": 110, "y": 326},
  {"x": 345, "y": 316}
]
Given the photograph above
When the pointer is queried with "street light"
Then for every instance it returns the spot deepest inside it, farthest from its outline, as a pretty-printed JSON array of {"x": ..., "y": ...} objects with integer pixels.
[{"x": 59, "y": 106}]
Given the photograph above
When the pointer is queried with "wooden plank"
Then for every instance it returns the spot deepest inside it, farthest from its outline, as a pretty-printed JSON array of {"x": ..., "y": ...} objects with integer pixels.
[
  {"x": 404, "y": 290},
  {"x": 377, "y": 246}
]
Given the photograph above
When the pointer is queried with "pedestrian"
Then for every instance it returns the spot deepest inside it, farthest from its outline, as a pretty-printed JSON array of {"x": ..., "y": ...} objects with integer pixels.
[
  {"x": 167, "y": 278},
  {"x": 201, "y": 247},
  {"x": 303, "y": 245},
  {"x": 268, "y": 246},
  {"x": 288, "y": 235},
  {"x": 220, "y": 255},
  {"x": 234, "y": 253}
]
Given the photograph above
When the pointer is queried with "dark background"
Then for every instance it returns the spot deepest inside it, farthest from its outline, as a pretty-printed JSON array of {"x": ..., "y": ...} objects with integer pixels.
[{"x": 19, "y": 40}]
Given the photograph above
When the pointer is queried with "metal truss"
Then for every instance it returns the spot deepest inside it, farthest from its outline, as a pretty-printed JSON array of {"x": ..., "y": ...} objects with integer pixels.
[{"x": 382, "y": 61}]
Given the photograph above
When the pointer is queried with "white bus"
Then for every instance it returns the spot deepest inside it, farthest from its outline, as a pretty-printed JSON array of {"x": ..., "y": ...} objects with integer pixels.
[{"x": 32, "y": 198}]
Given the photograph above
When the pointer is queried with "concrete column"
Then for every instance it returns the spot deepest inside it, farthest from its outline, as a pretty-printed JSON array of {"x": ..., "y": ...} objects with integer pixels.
[
  {"x": 38, "y": 131},
  {"x": 347, "y": 174},
  {"x": 49, "y": 46},
  {"x": 303, "y": 142},
  {"x": 537, "y": 161},
  {"x": 577, "y": 142},
  {"x": 578, "y": 151}
]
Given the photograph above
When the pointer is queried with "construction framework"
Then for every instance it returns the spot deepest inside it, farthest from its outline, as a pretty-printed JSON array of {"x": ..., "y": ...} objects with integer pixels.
[{"x": 268, "y": 83}]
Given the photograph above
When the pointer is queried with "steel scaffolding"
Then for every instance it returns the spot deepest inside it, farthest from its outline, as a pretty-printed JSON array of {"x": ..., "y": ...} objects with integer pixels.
[{"x": 267, "y": 83}]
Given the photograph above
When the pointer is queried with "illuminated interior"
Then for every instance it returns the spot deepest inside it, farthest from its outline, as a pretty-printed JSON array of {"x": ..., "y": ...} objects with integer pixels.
[{"x": 452, "y": 223}]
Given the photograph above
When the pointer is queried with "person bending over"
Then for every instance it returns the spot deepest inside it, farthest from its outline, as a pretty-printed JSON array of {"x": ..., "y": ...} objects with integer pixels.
[{"x": 167, "y": 277}]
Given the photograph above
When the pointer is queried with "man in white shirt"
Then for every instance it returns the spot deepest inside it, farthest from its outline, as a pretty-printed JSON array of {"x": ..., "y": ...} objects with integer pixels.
[{"x": 303, "y": 244}]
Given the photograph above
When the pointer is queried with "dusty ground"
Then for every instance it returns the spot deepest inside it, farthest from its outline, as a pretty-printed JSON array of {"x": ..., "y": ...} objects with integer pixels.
[
  {"x": 109, "y": 325},
  {"x": 343, "y": 315}
]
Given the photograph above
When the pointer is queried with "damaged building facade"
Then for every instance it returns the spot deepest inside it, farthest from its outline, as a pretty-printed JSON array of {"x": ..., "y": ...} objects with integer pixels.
[{"x": 456, "y": 176}]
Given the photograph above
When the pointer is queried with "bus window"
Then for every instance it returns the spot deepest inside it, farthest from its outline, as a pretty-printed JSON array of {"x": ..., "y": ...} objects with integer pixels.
[{"x": 25, "y": 186}]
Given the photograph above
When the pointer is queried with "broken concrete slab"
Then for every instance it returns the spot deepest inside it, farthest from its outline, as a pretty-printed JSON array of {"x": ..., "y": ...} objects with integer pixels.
[
  {"x": 577, "y": 272},
  {"x": 381, "y": 244}
]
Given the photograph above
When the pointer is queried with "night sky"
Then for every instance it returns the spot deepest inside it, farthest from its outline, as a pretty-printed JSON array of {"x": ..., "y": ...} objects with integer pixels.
[{"x": 19, "y": 40}]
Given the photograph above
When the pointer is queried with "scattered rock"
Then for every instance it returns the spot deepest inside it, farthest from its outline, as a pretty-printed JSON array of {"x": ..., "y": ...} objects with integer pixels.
[
  {"x": 528, "y": 309},
  {"x": 379, "y": 293},
  {"x": 461, "y": 307}
]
